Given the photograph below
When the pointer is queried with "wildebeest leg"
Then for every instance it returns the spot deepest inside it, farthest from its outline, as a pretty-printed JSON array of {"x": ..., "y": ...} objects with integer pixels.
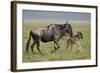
[
  {"x": 72, "y": 48},
  {"x": 32, "y": 46},
  {"x": 56, "y": 46},
  {"x": 80, "y": 48},
  {"x": 67, "y": 46},
  {"x": 68, "y": 43},
  {"x": 38, "y": 45}
]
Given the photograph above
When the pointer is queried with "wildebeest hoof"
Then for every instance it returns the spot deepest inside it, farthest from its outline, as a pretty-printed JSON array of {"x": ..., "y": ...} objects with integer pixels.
[
  {"x": 34, "y": 52},
  {"x": 52, "y": 52}
]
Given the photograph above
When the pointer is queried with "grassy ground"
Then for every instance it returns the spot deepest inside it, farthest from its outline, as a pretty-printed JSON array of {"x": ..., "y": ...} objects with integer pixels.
[{"x": 61, "y": 53}]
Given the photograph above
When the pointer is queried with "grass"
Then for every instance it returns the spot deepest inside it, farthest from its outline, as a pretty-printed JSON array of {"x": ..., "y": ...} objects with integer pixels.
[{"x": 61, "y": 53}]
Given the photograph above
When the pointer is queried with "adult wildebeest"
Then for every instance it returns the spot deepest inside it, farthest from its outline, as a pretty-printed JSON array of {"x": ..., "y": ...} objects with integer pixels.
[
  {"x": 52, "y": 32},
  {"x": 75, "y": 40}
]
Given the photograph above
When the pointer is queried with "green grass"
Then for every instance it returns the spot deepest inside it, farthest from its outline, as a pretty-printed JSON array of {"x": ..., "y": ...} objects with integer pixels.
[{"x": 61, "y": 53}]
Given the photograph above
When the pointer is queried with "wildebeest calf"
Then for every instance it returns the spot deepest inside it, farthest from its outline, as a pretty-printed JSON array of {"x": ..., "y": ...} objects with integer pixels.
[{"x": 75, "y": 40}]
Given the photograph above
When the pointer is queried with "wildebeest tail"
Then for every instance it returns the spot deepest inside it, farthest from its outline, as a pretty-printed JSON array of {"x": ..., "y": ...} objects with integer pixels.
[{"x": 28, "y": 42}]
